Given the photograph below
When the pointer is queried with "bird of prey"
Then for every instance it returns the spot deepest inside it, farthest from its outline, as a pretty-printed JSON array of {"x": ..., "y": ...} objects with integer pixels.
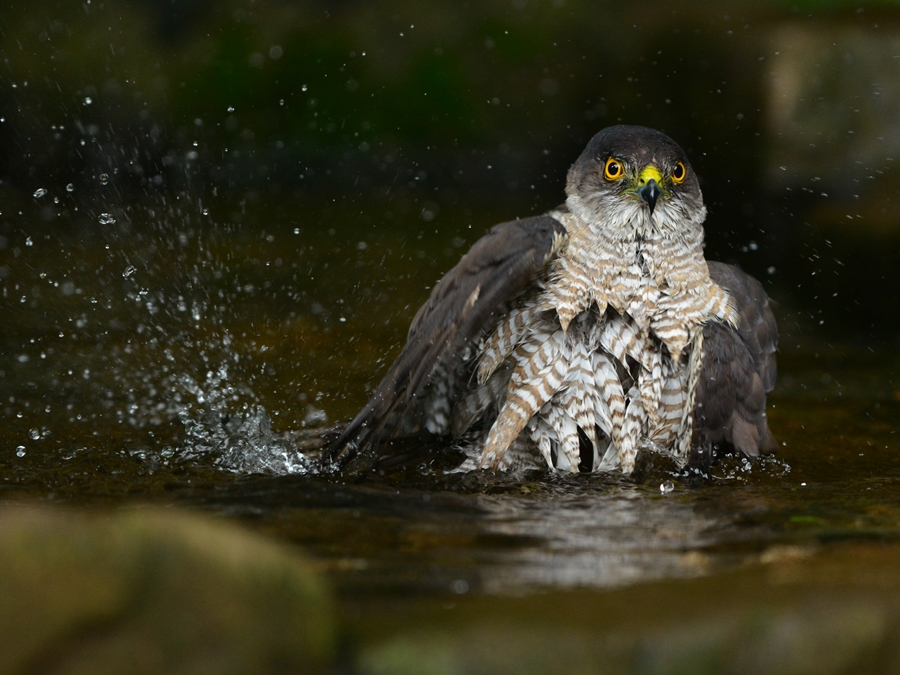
[{"x": 580, "y": 338}]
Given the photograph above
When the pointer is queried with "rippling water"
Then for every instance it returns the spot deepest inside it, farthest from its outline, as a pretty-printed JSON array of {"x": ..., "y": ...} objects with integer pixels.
[{"x": 163, "y": 356}]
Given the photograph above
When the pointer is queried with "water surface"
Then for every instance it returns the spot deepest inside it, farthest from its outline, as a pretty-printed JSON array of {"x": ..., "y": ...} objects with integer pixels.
[{"x": 161, "y": 356}]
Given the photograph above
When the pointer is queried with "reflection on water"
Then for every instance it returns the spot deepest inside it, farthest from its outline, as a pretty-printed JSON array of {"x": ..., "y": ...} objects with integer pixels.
[
  {"x": 494, "y": 534},
  {"x": 165, "y": 360},
  {"x": 622, "y": 536}
]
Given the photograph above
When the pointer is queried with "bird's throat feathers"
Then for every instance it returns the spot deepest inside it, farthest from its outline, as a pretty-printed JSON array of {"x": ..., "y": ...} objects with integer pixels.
[
  {"x": 652, "y": 278},
  {"x": 626, "y": 218}
]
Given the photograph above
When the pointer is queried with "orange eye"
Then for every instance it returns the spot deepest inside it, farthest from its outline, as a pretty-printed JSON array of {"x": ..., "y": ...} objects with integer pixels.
[
  {"x": 679, "y": 172},
  {"x": 613, "y": 169}
]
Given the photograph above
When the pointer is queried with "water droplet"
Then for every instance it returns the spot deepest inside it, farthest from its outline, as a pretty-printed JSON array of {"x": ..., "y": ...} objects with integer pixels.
[
  {"x": 88, "y": 100},
  {"x": 40, "y": 192},
  {"x": 34, "y": 434},
  {"x": 104, "y": 178},
  {"x": 304, "y": 88},
  {"x": 666, "y": 487},
  {"x": 314, "y": 416},
  {"x": 106, "y": 219},
  {"x": 20, "y": 451},
  {"x": 131, "y": 269},
  {"x": 28, "y": 241},
  {"x": 231, "y": 108}
]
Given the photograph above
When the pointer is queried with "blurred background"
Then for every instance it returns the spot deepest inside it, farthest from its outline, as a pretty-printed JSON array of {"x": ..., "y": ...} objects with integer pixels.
[{"x": 786, "y": 109}]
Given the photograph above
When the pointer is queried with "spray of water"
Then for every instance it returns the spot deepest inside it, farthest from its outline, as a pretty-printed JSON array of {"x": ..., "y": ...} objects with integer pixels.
[{"x": 151, "y": 322}]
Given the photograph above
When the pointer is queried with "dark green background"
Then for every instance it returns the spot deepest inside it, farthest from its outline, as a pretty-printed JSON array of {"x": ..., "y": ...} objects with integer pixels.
[{"x": 787, "y": 110}]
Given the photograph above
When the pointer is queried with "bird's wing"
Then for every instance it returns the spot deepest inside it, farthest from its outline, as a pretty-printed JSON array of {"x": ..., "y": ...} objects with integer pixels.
[
  {"x": 739, "y": 369},
  {"x": 463, "y": 305}
]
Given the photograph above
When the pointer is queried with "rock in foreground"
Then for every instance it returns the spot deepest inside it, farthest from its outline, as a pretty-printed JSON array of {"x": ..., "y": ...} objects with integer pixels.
[{"x": 154, "y": 591}]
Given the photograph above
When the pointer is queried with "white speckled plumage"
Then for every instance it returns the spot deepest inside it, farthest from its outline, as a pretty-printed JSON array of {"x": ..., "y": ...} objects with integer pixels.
[
  {"x": 575, "y": 340},
  {"x": 629, "y": 291}
]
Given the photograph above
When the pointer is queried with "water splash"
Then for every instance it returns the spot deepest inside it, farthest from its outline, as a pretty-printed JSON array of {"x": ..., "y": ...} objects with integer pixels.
[
  {"x": 243, "y": 443},
  {"x": 183, "y": 367},
  {"x": 734, "y": 466}
]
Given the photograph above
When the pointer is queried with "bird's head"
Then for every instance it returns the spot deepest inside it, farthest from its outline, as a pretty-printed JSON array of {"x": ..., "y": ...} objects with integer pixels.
[{"x": 636, "y": 181}]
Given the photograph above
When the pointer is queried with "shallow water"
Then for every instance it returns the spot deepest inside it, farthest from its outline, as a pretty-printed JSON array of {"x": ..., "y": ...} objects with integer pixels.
[{"x": 161, "y": 356}]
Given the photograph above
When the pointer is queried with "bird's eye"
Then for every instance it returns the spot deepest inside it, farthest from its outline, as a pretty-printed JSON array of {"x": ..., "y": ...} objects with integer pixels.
[
  {"x": 679, "y": 172},
  {"x": 613, "y": 169}
]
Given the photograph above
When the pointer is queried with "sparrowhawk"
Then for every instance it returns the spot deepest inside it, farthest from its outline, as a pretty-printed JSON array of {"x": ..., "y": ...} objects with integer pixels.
[{"x": 581, "y": 337}]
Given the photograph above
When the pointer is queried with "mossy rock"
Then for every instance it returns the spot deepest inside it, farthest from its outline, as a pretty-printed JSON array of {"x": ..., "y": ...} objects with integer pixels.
[{"x": 154, "y": 591}]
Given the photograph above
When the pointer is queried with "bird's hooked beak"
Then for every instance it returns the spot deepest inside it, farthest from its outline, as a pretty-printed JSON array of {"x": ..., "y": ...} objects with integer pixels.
[{"x": 648, "y": 186}]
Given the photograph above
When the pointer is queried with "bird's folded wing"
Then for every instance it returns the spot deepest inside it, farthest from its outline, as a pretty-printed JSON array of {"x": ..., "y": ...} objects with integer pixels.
[
  {"x": 463, "y": 305},
  {"x": 757, "y": 326},
  {"x": 739, "y": 369}
]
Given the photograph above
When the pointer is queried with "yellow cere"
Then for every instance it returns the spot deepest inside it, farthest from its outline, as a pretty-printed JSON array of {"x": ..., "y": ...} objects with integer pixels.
[{"x": 648, "y": 173}]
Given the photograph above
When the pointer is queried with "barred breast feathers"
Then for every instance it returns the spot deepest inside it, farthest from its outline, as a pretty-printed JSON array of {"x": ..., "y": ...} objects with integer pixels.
[
  {"x": 577, "y": 338},
  {"x": 571, "y": 360}
]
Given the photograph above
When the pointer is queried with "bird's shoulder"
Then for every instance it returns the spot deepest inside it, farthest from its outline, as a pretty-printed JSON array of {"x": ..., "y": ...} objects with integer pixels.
[
  {"x": 463, "y": 305},
  {"x": 495, "y": 269}
]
